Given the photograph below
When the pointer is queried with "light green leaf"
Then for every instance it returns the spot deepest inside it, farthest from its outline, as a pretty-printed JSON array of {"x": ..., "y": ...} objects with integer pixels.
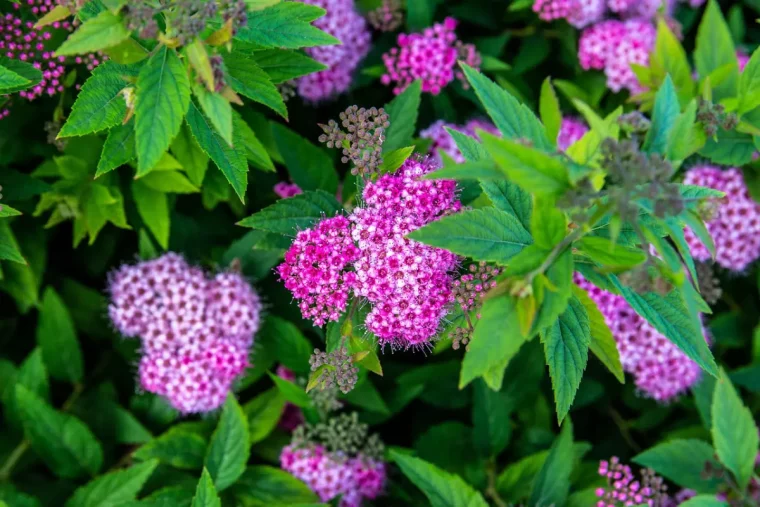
[
  {"x": 180, "y": 447},
  {"x": 168, "y": 181},
  {"x": 486, "y": 234},
  {"x": 246, "y": 78},
  {"x": 118, "y": 149},
  {"x": 484, "y": 170},
  {"x": 291, "y": 392},
  {"x": 103, "y": 31},
  {"x": 26, "y": 71},
  {"x": 285, "y": 25},
  {"x": 58, "y": 340},
  {"x": 731, "y": 148},
  {"x": 703, "y": 501},
  {"x": 281, "y": 65},
  {"x": 192, "y": 158},
  {"x": 65, "y": 444},
  {"x": 396, "y": 158},
  {"x": 666, "y": 111},
  {"x": 9, "y": 80},
  {"x": 714, "y": 49},
  {"x": 609, "y": 254},
  {"x": 602, "y": 342},
  {"x": 749, "y": 84},
  {"x": 552, "y": 483},
  {"x": 264, "y": 412},
  {"x": 217, "y": 110},
  {"x": 683, "y": 462},
  {"x": 560, "y": 275},
  {"x": 551, "y": 115},
  {"x": 734, "y": 432},
  {"x": 113, "y": 488},
  {"x": 264, "y": 485},
  {"x": 230, "y": 447},
  {"x": 441, "y": 488},
  {"x": 685, "y": 138},
  {"x": 471, "y": 150},
  {"x": 288, "y": 216},
  {"x": 402, "y": 113},
  {"x": 205, "y": 493},
  {"x": 153, "y": 206},
  {"x": 669, "y": 58},
  {"x": 308, "y": 165},
  {"x": 9, "y": 248},
  {"x": 548, "y": 223},
  {"x": 161, "y": 100}
]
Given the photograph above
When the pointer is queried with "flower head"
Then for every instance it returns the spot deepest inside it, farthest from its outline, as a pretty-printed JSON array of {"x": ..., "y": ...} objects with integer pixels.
[{"x": 571, "y": 130}]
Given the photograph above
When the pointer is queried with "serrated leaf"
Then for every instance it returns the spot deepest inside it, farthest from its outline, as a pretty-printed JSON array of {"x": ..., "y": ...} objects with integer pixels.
[
  {"x": 100, "y": 103},
  {"x": 255, "y": 151},
  {"x": 441, "y": 488},
  {"x": 309, "y": 166},
  {"x": 264, "y": 412},
  {"x": 198, "y": 56},
  {"x": 58, "y": 13},
  {"x": 288, "y": 216},
  {"x": 153, "y": 207},
  {"x": 471, "y": 150},
  {"x": 402, "y": 113},
  {"x": 285, "y": 25},
  {"x": 486, "y": 234},
  {"x": 229, "y": 447},
  {"x": 551, "y": 115},
  {"x": 734, "y": 432},
  {"x": 179, "y": 447},
  {"x": 556, "y": 298},
  {"x": 602, "y": 342},
  {"x": 118, "y": 149},
  {"x": 162, "y": 97},
  {"x": 113, "y": 488},
  {"x": 508, "y": 197},
  {"x": 58, "y": 340},
  {"x": 205, "y": 493},
  {"x": 26, "y": 71},
  {"x": 230, "y": 160},
  {"x": 265, "y": 485},
  {"x": 281, "y": 65},
  {"x": 291, "y": 392},
  {"x": 103, "y": 31},
  {"x": 217, "y": 110},
  {"x": 552, "y": 483},
  {"x": 9, "y": 80},
  {"x": 65, "y": 444},
  {"x": 683, "y": 462},
  {"x": 714, "y": 49},
  {"x": 246, "y": 78}
]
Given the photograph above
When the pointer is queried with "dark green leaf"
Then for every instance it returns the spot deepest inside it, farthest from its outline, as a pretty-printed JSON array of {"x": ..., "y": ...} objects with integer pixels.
[
  {"x": 283, "y": 66},
  {"x": 309, "y": 166},
  {"x": 683, "y": 462},
  {"x": 246, "y": 78},
  {"x": 285, "y": 25},
  {"x": 402, "y": 112},
  {"x": 552, "y": 483},
  {"x": 58, "y": 340},
  {"x": 264, "y": 485},
  {"x": 288, "y": 216},
  {"x": 602, "y": 342},
  {"x": 217, "y": 109},
  {"x": 230, "y": 446},
  {"x": 264, "y": 412},
  {"x": 153, "y": 206},
  {"x": 118, "y": 149},
  {"x": 291, "y": 392},
  {"x": 25, "y": 70},
  {"x": 113, "y": 488},
  {"x": 490, "y": 417},
  {"x": 291, "y": 347}
]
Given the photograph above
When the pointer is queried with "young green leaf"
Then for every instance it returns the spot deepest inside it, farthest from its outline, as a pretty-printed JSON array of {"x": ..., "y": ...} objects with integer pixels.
[
  {"x": 205, "y": 493},
  {"x": 113, "y": 488},
  {"x": 669, "y": 58},
  {"x": 664, "y": 116},
  {"x": 602, "y": 342},
  {"x": 557, "y": 292},
  {"x": 749, "y": 84},
  {"x": 161, "y": 100},
  {"x": 402, "y": 113},
  {"x": 58, "y": 340},
  {"x": 153, "y": 207},
  {"x": 246, "y": 78},
  {"x": 734, "y": 432},
  {"x": 217, "y": 110},
  {"x": 551, "y": 115},
  {"x": 230, "y": 446},
  {"x": 179, "y": 447},
  {"x": 168, "y": 181},
  {"x": 683, "y": 462},
  {"x": 288, "y": 216},
  {"x": 285, "y": 25},
  {"x": 309, "y": 165},
  {"x": 441, "y": 488},
  {"x": 609, "y": 254},
  {"x": 264, "y": 412},
  {"x": 552, "y": 483},
  {"x": 281, "y": 65},
  {"x": 395, "y": 159},
  {"x": 685, "y": 138},
  {"x": 103, "y": 31},
  {"x": 291, "y": 392},
  {"x": 548, "y": 223},
  {"x": 118, "y": 149},
  {"x": 714, "y": 49}
]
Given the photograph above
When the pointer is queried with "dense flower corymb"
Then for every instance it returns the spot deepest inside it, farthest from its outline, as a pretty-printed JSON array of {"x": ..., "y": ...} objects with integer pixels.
[
  {"x": 196, "y": 332},
  {"x": 735, "y": 227}
]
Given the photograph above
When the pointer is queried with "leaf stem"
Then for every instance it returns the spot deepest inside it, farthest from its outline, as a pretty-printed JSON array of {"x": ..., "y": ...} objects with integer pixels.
[
  {"x": 623, "y": 427},
  {"x": 491, "y": 490}
]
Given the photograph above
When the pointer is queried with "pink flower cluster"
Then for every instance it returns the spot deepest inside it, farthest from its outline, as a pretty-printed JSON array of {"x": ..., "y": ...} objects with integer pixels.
[
  {"x": 196, "y": 332},
  {"x": 20, "y": 40},
  {"x": 284, "y": 189},
  {"x": 442, "y": 141},
  {"x": 612, "y": 46},
  {"x": 659, "y": 368},
  {"x": 623, "y": 489},
  {"x": 328, "y": 476},
  {"x": 292, "y": 416},
  {"x": 570, "y": 130},
  {"x": 343, "y": 22},
  {"x": 735, "y": 228},
  {"x": 407, "y": 283},
  {"x": 582, "y": 13},
  {"x": 430, "y": 56}
]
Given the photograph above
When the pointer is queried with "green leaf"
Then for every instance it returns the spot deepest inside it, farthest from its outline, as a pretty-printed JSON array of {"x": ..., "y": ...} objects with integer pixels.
[
  {"x": 441, "y": 488},
  {"x": 113, "y": 488},
  {"x": 536, "y": 172},
  {"x": 560, "y": 276},
  {"x": 9, "y": 80},
  {"x": 683, "y": 462},
  {"x": 514, "y": 120},
  {"x": 205, "y": 493},
  {"x": 508, "y": 197},
  {"x": 734, "y": 432},
  {"x": 395, "y": 159},
  {"x": 179, "y": 447},
  {"x": 551, "y": 115},
  {"x": 264, "y": 485},
  {"x": 703, "y": 501},
  {"x": 482, "y": 170},
  {"x": 58, "y": 340},
  {"x": 486, "y": 234},
  {"x": 161, "y": 100},
  {"x": 602, "y": 342},
  {"x": 731, "y": 148},
  {"x": 168, "y": 181},
  {"x": 609, "y": 254},
  {"x": 153, "y": 207},
  {"x": 291, "y": 348},
  {"x": 103, "y": 31},
  {"x": 749, "y": 85},
  {"x": 264, "y": 412},
  {"x": 552, "y": 483},
  {"x": 255, "y": 152},
  {"x": 285, "y": 25},
  {"x": 685, "y": 138},
  {"x": 517, "y": 479},
  {"x": 309, "y": 166},
  {"x": 714, "y": 49},
  {"x": 291, "y": 392},
  {"x": 490, "y": 417},
  {"x": 496, "y": 339},
  {"x": 217, "y": 110},
  {"x": 26, "y": 71},
  {"x": 288, "y": 216},
  {"x": 402, "y": 113},
  {"x": 192, "y": 158},
  {"x": 118, "y": 149},
  {"x": 65, "y": 444},
  {"x": 566, "y": 346},
  {"x": 246, "y": 78},
  {"x": 230, "y": 447},
  {"x": 9, "y": 248},
  {"x": 283, "y": 66},
  {"x": 669, "y": 58},
  {"x": 548, "y": 223},
  {"x": 230, "y": 160},
  {"x": 471, "y": 150},
  {"x": 666, "y": 111},
  {"x": 100, "y": 103}
]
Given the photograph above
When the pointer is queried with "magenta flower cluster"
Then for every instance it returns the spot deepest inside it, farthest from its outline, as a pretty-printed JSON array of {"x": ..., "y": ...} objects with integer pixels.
[
  {"x": 196, "y": 332},
  {"x": 430, "y": 56},
  {"x": 283, "y": 189},
  {"x": 343, "y": 22},
  {"x": 442, "y": 140},
  {"x": 354, "y": 479},
  {"x": 408, "y": 284},
  {"x": 582, "y": 13},
  {"x": 20, "y": 40},
  {"x": 570, "y": 130},
  {"x": 735, "y": 228},
  {"x": 659, "y": 368}
]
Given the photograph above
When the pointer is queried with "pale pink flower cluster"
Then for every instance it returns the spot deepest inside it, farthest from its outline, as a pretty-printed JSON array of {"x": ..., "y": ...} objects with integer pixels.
[
  {"x": 735, "y": 227},
  {"x": 659, "y": 368},
  {"x": 343, "y": 22},
  {"x": 430, "y": 56},
  {"x": 570, "y": 130},
  {"x": 20, "y": 40},
  {"x": 612, "y": 46},
  {"x": 442, "y": 140},
  {"x": 353, "y": 479},
  {"x": 408, "y": 284},
  {"x": 284, "y": 189},
  {"x": 292, "y": 416},
  {"x": 196, "y": 332}
]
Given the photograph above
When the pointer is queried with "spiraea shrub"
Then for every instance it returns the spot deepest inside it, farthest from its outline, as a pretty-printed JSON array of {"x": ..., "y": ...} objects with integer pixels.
[{"x": 379, "y": 253}]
